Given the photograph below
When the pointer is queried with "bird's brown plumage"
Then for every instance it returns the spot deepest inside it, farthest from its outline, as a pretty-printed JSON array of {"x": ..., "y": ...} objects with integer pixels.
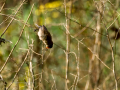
[{"x": 45, "y": 36}]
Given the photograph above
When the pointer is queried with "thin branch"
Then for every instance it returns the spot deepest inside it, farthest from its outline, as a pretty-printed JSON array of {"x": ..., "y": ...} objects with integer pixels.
[
  {"x": 12, "y": 19},
  {"x": 84, "y": 28},
  {"x": 15, "y": 46},
  {"x": 2, "y": 7},
  {"x": 80, "y": 41},
  {"x": 54, "y": 84},
  {"x": 18, "y": 70},
  {"x": 112, "y": 51},
  {"x": 5, "y": 83},
  {"x": 81, "y": 24},
  {"x": 78, "y": 73},
  {"x": 92, "y": 52},
  {"x": 16, "y": 42},
  {"x": 67, "y": 27}
]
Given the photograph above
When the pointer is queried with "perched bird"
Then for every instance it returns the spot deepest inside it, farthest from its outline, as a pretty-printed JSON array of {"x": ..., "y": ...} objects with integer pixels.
[
  {"x": 2, "y": 40},
  {"x": 45, "y": 36}
]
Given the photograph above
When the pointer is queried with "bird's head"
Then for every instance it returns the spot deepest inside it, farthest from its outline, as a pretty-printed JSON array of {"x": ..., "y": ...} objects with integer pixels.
[{"x": 37, "y": 28}]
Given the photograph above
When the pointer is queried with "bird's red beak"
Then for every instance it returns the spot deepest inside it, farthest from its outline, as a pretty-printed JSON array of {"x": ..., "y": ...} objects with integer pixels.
[{"x": 47, "y": 47}]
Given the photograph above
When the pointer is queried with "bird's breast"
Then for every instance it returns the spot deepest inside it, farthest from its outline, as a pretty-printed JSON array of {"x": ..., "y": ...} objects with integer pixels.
[{"x": 41, "y": 35}]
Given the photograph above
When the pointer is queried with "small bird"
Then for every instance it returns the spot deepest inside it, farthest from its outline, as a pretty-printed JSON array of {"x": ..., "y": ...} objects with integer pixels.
[
  {"x": 45, "y": 36},
  {"x": 2, "y": 40}
]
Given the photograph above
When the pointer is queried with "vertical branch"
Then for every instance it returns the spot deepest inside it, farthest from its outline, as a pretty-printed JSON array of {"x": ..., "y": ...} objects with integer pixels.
[
  {"x": 78, "y": 57},
  {"x": 113, "y": 60},
  {"x": 54, "y": 84},
  {"x": 38, "y": 83},
  {"x": 66, "y": 74},
  {"x": 67, "y": 26},
  {"x": 31, "y": 69},
  {"x": 94, "y": 74},
  {"x": 112, "y": 52},
  {"x": 95, "y": 63},
  {"x": 30, "y": 72},
  {"x": 97, "y": 43}
]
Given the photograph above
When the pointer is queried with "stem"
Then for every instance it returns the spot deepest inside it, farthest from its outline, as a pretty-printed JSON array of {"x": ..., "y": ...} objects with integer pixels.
[{"x": 67, "y": 46}]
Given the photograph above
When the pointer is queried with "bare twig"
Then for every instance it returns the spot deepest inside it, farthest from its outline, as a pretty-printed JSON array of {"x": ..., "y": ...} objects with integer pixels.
[
  {"x": 16, "y": 42},
  {"x": 30, "y": 79},
  {"x": 93, "y": 63},
  {"x": 5, "y": 83},
  {"x": 84, "y": 28},
  {"x": 15, "y": 46},
  {"x": 12, "y": 18},
  {"x": 18, "y": 70},
  {"x": 67, "y": 27},
  {"x": 74, "y": 83},
  {"x": 54, "y": 84},
  {"x": 82, "y": 25},
  {"x": 2, "y": 6},
  {"x": 113, "y": 59},
  {"x": 112, "y": 51},
  {"x": 78, "y": 73},
  {"x": 91, "y": 51},
  {"x": 32, "y": 51}
]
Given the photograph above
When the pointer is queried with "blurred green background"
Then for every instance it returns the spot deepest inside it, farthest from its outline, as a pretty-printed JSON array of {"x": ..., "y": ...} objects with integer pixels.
[{"x": 86, "y": 17}]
